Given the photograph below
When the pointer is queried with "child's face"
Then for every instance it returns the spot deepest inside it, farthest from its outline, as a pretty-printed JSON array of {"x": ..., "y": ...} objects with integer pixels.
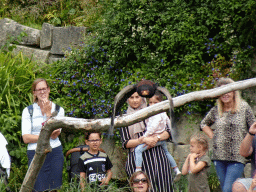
[
  {"x": 94, "y": 142},
  {"x": 153, "y": 100},
  {"x": 195, "y": 147}
]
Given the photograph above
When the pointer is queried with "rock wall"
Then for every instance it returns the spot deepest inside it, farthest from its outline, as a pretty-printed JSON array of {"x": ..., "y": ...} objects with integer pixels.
[{"x": 47, "y": 45}]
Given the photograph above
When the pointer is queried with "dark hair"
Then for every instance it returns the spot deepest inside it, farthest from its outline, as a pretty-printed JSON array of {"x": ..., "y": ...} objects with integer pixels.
[
  {"x": 34, "y": 84},
  {"x": 158, "y": 96},
  {"x": 135, "y": 174},
  {"x": 87, "y": 135}
]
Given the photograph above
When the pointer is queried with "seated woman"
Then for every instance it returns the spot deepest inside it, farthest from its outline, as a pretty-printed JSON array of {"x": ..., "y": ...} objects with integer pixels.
[{"x": 139, "y": 182}]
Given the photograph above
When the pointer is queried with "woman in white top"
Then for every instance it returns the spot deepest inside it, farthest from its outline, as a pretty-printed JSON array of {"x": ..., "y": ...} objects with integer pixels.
[{"x": 50, "y": 175}]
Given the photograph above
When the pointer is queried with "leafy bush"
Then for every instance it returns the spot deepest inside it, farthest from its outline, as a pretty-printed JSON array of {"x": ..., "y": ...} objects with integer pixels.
[
  {"x": 59, "y": 13},
  {"x": 182, "y": 45}
]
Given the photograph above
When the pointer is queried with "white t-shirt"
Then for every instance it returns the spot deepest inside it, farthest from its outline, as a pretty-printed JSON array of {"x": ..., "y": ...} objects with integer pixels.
[
  {"x": 157, "y": 124},
  {"x": 36, "y": 126},
  {"x": 5, "y": 159}
]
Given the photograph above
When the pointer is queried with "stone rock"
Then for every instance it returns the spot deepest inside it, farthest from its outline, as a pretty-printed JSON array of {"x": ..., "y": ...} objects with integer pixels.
[
  {"x": 3, "y": 32},
  {"x": 187, "y": 127},
  {"x": 117, "y": 156},
  {"x": 66, "y": 37},
  {"x": 37, "y": 55},
  {"x": 247, "y": 170},
  {"x": 55, "y": 58},
  {"x": 46, "y": 36},
  {"x": 10, "y": 28},
  {"x": 180, "y": 154}
]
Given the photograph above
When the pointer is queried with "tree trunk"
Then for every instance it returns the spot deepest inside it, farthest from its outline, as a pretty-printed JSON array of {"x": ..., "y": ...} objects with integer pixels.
[{"x": 102, "y": 125}]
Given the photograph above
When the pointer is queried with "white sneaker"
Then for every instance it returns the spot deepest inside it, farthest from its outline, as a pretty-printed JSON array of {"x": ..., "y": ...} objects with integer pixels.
[{"x": 177, "y": 177}]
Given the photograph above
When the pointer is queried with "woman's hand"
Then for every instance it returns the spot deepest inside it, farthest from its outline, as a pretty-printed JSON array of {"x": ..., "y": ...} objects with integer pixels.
[
  {"x": 55, "y": 134},
  {"x": 252, "y": 129},
  {"x": 46, "y": 107},
  {"x": 150, "y": 141}
]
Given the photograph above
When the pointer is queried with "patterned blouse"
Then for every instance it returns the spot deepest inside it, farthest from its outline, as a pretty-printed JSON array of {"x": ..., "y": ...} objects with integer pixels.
[{"x": 230, "y": 131}]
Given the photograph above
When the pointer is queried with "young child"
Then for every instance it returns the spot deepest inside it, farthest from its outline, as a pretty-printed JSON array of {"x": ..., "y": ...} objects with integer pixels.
[
  {"x": 155, "y": 126},
  {"x": 93, "y": 164},
  {"x": 197, "y": 164}
]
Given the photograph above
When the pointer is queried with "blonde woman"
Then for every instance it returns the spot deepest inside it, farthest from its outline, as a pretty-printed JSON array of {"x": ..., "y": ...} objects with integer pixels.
[{"x": 232, "y": 117}]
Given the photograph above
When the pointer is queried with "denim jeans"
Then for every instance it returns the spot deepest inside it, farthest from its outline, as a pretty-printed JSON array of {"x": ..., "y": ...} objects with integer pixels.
[
  {"x": 141, "y": 148},
  {"x": 228, "y": 172}
]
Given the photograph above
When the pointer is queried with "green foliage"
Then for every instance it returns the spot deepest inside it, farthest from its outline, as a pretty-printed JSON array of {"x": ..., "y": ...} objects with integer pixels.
[
  {"x": 58, "y": 13},
  {"x": 182, "y": 47},
  {"x": 17, "y": 74}
]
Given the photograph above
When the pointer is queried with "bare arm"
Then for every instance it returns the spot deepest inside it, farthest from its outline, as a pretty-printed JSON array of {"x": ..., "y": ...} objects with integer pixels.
[
  {"x": 55, "y": 134},
  {"x": 195, "y": 168},
  {"x": 82, "y": 180},
  {"x": 185, "y": 167},
  {"x": 29, "y": 138},
  {"x": 208, "y": 131},
  {"x": 246, "y": 145},
  {"x": 106, "y": 180}
]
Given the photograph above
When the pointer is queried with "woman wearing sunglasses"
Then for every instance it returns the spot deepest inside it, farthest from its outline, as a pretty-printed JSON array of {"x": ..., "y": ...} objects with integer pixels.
[{"x": 139, "y": 182}]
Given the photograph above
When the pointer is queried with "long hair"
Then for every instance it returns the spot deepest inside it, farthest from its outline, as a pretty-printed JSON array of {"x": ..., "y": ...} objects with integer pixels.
[
  {"x": 33, "y": 88},
  {"x": 135, "y": 174},
  {"x": 237, "y": 97}
]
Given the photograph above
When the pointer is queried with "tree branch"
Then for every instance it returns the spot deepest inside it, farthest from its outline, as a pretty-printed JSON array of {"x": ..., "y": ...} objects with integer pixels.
[{"x": 102, "y": 125}]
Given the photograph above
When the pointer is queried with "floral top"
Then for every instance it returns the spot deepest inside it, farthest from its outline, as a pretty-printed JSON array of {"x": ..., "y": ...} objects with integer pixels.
[{"x": 230, "y": 130}]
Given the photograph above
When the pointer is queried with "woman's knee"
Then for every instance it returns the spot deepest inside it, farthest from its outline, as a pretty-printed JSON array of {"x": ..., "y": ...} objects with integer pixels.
[{"x": 238, "y": 187}]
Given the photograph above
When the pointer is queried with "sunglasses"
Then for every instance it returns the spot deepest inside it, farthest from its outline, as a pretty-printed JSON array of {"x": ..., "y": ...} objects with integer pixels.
[{"x": 143, "y": 180}]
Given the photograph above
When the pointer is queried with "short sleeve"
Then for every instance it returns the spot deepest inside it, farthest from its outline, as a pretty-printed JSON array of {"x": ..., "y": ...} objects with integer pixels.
[
  {"x": 80, "y": 166},
  {"x": 209, "y": 118},
  {"x": 250, "y": 118},
  {"x": 26, "y": 122},
  {"x": 108, "y": 164},
  {"x": 206, "y": 159}
]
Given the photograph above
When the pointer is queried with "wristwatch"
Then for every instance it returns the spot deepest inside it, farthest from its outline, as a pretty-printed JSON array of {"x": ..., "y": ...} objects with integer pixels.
[{"x": 158, "y": 137}]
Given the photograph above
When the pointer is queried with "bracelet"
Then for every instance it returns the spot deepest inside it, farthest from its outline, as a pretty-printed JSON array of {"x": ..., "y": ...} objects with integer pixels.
[{"x": 251, "y": 133}]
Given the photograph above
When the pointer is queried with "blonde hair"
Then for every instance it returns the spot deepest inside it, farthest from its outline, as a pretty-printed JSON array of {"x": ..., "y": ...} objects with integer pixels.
[
  {"x": 33, "y": 88},
  {"x": 135, "y": 174},
  {"x": 201, "y": 139},
  {"x": 237, "y": 97}
]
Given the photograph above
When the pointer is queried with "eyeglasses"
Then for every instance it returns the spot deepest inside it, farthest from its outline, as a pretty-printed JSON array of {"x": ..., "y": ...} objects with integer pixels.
[
  {"x": 43, "y": 89},
  {"x": 143, "y": 180},
  {"x": 96, "y": 140}
]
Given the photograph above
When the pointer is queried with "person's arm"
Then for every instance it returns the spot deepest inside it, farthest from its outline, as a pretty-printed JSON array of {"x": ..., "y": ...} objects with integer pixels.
[
  {"x": 82, "y": 180},
  {"x": 208, "y": 121},
  {"x": 246, "y": 148},
  {"x": 195, "y": 168},
  {"x": 55, "y": 134},
  {"x": 185, "y": 167},
  {"x": 106, "y": 180},
  {"x": 208, "y": 131},
  {"x": 29, "y": 138}
]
